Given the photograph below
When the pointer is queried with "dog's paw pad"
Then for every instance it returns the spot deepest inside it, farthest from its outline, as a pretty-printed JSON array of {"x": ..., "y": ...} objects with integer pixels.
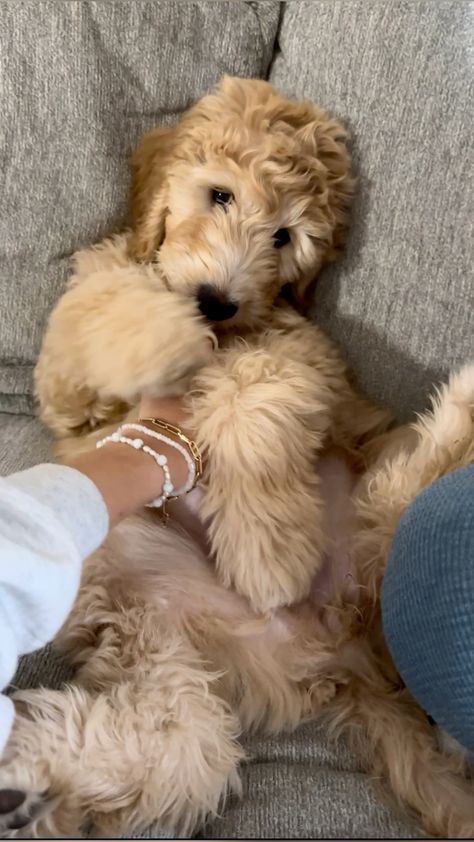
[
  {"x": 18, "y": 808},
  {"x": 10, "y": 800}
]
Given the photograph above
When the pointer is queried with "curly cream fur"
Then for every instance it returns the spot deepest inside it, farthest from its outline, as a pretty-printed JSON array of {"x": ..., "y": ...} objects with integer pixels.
[{"x": 182, "y": 637}]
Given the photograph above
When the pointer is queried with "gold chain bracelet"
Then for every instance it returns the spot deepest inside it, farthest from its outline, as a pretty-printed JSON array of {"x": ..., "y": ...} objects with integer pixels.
[{"x": 176, "y": 431}]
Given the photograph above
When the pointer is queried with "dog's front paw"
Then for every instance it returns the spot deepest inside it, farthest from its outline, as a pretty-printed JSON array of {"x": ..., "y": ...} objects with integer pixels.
[
  {"x": 266, "y": 589},
  {"x": 19, "y": 809},
  {"x": 28, "y": 811},
  {"x": 38, "y": 796},
  {"x": 175, "y": 378}
]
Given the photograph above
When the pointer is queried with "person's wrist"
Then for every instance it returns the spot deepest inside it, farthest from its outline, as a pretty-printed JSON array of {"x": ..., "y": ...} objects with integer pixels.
[
  {"x": 143, "y": 479},
  {"x": 126, "y": 478},
  {"x": 138, "y": 457},
  {"x": 181, "y": 439},
  {"x": 173, "y": 410}
]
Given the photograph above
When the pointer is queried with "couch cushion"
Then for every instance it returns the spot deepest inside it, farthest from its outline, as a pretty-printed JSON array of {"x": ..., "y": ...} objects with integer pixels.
[
  {"x": 400, "y": 75},
  {"x": 301, "y": 786},
  {"x": 24, "y": 441},
  {"x": 80, "y": 83}
]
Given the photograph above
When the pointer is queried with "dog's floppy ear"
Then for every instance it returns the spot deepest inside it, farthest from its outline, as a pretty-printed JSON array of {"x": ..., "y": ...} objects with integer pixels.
[
  {"x": 323, "y": 144},
  {"x": 329, "y": 142},
  {"x": 326, "y": 141},
  {"x": 325, "y": 156},
  {"x": 149, "y": 192},
  {"x": 316, "y": 141}
]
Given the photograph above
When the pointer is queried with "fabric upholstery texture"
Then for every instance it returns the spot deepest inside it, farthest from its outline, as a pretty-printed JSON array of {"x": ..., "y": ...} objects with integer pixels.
[
  {"x": 80, "y": 82},
  {"x": 301, "y": 786},
  {"x": 400, "y": 76},
  {"x": 24, "y": 441}
]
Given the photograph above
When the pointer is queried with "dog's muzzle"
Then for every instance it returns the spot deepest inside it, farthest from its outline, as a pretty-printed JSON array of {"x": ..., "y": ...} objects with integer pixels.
[{"x": 215, "y": 305}]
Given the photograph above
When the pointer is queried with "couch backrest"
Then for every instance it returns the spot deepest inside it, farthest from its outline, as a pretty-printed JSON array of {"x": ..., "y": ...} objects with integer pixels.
[
  {"x": 79, "y": 83},
  {"x": 400, "y": 75}
]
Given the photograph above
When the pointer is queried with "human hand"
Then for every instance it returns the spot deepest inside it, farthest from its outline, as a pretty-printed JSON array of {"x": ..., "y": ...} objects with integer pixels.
[
  {"x": 129, "y": 478},
  {"x": 172, "y": 410}
]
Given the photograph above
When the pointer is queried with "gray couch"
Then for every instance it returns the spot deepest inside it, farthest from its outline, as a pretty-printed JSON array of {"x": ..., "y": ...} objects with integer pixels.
[{"x": 81, "y": 81}]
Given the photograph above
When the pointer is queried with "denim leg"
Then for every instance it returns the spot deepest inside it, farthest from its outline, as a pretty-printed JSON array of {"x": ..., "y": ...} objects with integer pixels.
[{"x": 428, "y": 602}]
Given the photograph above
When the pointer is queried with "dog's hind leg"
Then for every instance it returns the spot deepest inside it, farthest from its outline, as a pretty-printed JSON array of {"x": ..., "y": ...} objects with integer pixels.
[
  {"x": 403, "y": 745},
  {"x": 159, "y": 748},
  {"x": 400, "y": 748},
  {"x": 439, "y": 442}
]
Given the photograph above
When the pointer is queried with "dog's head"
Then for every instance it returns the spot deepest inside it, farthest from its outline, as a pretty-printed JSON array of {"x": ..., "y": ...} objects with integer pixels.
[{"x": 248, "y": 193}]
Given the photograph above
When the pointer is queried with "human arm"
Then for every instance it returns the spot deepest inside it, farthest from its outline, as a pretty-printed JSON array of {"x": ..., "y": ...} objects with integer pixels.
[{"x": 51, "y": 518}]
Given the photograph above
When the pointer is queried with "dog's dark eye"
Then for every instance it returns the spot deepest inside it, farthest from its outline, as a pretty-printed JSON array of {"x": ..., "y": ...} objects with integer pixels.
[
  {"x": 281, "y": 238},
  {"x": 221, "y": 197}
]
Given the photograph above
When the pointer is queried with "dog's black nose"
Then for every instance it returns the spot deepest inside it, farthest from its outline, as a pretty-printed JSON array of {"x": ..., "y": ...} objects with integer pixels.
[{"x": 215, "y": 305}]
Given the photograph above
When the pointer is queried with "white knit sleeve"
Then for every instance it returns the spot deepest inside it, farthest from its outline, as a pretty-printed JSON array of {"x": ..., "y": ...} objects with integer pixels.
[{"x": 51, "y": 518}]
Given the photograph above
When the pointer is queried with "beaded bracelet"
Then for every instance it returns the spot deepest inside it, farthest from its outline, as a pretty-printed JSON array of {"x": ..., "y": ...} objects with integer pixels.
[
  {"x": 165, "y": 427},
  {"x": 191, "y": 480},
  {"x": 139, "y": 444}
]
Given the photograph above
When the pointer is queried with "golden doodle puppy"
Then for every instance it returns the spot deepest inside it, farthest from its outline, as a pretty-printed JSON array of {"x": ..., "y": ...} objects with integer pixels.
[{"x": 258, "y": 606}]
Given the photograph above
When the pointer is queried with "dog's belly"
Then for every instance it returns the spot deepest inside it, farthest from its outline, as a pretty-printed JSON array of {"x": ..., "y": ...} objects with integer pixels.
[
  {"x": 171, "y": 571},
  {"x": 336, "y": 579},
  {"x": 172, "y": 567}
]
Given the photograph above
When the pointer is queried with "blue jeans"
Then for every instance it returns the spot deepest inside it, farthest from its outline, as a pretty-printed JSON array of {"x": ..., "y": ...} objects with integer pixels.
[{"x": 428, "y": 602}]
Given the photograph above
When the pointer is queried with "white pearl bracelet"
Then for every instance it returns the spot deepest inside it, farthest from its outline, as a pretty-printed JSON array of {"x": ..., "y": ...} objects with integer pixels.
[
  {"x": 139, "y": 444},
  {"x": 189, "y": 484}
]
